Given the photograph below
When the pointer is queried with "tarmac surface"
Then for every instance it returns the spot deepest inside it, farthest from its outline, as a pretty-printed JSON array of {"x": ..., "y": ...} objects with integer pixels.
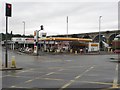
[{"x": 62, "y": 72}]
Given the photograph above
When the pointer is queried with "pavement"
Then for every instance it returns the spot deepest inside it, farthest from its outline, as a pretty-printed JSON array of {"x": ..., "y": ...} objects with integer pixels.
[
  {"x": 62, "y": 72},
  {"x": 9, "y": 68}
]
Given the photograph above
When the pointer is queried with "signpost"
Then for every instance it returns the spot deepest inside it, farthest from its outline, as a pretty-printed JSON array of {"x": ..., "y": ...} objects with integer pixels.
[
  {"x": 36, "y": 36},
  {"x": 35, "y": 41}
]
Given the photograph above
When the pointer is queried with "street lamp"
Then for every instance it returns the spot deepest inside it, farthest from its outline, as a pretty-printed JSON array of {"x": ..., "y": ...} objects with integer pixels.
[
  {"x": 67, "y": 26},
  {"x": 24, "y": 32},
  {"x": 99, "y": 32}
]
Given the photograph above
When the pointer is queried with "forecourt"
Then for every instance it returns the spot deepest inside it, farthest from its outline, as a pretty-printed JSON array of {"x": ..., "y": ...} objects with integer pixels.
[{"x": 62, "y": 71}]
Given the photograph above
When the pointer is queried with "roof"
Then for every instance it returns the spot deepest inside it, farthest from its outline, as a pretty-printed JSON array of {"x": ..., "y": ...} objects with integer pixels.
[{"x": 65, "y": 39}]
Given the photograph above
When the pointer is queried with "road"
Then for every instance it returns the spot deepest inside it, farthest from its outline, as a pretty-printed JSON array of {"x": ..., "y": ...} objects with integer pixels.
[{"x": 62, "y": 71}]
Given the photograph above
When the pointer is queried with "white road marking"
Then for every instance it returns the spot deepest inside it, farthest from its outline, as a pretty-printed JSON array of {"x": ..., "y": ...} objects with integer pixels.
[
  {"x": 66, "y": 85},
  {"x": 61, "y": 70},
  {"x": 68, "y": 60},
  {"x": 77, "y": 77},
  {"x": 4, "y": 76},
  {"x": 50, "y": 73},
  {"x": 53, "y": 79},
  {"x": 13, "y": 86},
  {"x": 29, "y": 81},
  {"x": 71, "y": 81}
]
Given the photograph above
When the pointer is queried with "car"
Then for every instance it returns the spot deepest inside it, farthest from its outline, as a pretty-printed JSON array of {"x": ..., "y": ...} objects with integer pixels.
[{"x": 117, "y": 51}]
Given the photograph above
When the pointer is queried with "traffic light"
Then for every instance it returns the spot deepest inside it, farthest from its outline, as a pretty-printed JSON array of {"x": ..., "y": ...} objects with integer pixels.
[
  {"x": 41, "y": 27},
  {"x": 8, "y": 9}
]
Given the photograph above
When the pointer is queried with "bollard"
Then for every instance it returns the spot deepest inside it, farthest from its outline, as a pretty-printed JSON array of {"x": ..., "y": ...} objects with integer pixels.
[
  {"x": 47, "y": 50},
  {"x": 75, "y": 52},
  {"x": 111, "y": 50},
  {"x": 13, "y": 63},
  {"x": 55, "y": 51},
  {"x": 9, "y": 63},
  {"x": 81, "y": 51},
  {"x": 70, "y": 50}
]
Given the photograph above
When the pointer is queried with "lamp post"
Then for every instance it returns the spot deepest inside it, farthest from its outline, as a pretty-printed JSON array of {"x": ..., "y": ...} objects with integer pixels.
[
  {"x": 67, "y": 26},
  {"x": 99, "y": 32},
  {"x": 115, "y": 42},
  {"x": 24, "y": 32}
]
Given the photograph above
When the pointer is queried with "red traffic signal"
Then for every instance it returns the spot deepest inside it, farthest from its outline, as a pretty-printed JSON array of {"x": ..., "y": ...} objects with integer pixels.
[
  {"x": 8, "y": 9},
  {"x": 9, "y": 6}
]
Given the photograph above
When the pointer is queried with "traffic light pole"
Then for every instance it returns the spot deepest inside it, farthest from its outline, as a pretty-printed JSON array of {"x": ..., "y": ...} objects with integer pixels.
[{"x": 6, "y": 52}]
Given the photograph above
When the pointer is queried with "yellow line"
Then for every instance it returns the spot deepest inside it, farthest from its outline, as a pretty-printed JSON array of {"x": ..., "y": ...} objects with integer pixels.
[
  {"x": 97, "y": 82},
  {"x": 106, "y": 89},
  {"x": 115, "y": 81}
]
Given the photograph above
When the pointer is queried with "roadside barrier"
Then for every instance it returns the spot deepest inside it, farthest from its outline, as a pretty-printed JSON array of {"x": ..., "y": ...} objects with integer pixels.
[{"x": 13, "y": 62}]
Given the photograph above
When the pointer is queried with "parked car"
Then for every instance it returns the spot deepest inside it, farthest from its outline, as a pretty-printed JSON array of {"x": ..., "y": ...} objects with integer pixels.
[{"x": 117, "y": 51}]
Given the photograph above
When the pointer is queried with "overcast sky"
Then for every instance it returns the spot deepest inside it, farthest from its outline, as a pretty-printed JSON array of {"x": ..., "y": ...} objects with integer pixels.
[{"x": 83, "y": 17}]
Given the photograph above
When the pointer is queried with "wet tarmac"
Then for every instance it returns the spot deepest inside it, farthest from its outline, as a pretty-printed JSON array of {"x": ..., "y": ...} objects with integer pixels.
[{"x": 62, "y": 72}]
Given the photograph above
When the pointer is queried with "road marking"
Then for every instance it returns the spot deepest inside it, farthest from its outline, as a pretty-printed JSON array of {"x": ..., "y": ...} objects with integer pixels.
[
  {"x": 76, "y": 66},
  {"x": 117, "y": 67},
  {"x": 84, "y": 72},
  {"x": 22, "y": 76},
  {"x": 66, "y": 85},
  {"x": 106, "y": 89},
  {"x": 77, "y": 77},
  {"x": 13, "y": 86},
  {"x": 50, "y": 61},
  {"x": 89, "y": 69},
  {"x": 66, "y": 67},
  {"x": 38, "y": 77},
  {"x": 53, "y": 79},
  {"x": 61, "y": 69},
  {"x": 4, "y": 76},
  {"x": 24, "y": 71},
  {"x": 50, "y": 73},
  {"x": 115, "y": 81},
  {"x": 54, "y": 67},
  {"x": 96, "y": 82},
  {"x": 68, "y": 60},
  {"x": 29, "y": 81}
]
